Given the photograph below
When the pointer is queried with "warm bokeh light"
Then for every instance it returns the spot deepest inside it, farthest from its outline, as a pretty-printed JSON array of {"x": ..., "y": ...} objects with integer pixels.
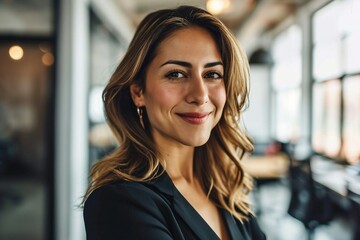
[
  {"x": 16, "y": 52},
  {"x": 47, "y": 59},
  {"x": 217, "y": 6}
]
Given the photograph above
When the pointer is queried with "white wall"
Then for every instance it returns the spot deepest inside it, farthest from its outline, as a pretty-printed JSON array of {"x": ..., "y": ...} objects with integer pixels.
[{"x": 257, "y": 116}]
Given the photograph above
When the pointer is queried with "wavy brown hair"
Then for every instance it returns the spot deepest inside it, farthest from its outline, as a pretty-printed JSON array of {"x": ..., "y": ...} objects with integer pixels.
[{"x": 217, "y": 164}]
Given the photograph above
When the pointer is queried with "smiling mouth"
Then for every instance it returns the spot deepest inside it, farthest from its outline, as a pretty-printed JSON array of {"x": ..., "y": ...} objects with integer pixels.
[{"x": 194, "y": 117}]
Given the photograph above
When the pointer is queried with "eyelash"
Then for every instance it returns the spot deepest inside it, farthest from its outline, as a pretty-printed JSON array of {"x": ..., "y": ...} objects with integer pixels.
[
  {"x": 171, "y": 73},
  {"x": 219, "y": 77}
]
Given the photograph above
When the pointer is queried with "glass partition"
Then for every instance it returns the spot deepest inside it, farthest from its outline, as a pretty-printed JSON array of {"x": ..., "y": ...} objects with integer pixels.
[{"x": 26, "y": 119}]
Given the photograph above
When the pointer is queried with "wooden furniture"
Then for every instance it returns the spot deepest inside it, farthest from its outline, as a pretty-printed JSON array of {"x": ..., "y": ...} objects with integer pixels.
[{"x": 267, "y": 166}]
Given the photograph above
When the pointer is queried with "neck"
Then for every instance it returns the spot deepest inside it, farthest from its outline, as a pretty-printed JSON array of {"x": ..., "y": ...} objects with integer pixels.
[{"x": 179, "y": 163}]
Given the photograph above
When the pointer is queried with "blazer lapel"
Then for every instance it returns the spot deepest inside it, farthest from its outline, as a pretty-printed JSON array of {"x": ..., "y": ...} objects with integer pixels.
[
  {"x": 163, "y": 183},
  {"x": 233, "y": 228},
  {"x": 183, "y": 208},
  {"x": 192, "y": 218}
]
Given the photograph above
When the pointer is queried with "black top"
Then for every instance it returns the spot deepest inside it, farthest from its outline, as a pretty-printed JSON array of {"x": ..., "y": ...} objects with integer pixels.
[{"x": 154, "y": 211}]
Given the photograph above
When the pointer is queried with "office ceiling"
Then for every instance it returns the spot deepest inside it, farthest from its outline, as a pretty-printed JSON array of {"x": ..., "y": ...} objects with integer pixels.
[
  {"x": 137, "y": 9},
  {"x": 248, "y": 19},
  {"x": 262, "y": 14}
]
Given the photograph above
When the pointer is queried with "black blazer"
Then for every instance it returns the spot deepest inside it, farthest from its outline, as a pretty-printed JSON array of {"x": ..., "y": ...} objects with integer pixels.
[{"x": 153, "y": 211}]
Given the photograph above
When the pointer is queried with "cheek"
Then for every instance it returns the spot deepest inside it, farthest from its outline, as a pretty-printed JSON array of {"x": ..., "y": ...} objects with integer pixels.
[
  {"x": 162, "y": 97},
  {"x": 219, "y": 98}
]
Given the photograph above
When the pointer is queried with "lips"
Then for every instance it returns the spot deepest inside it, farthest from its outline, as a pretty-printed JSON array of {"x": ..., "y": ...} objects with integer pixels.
[{"x": 194, "y": 117}]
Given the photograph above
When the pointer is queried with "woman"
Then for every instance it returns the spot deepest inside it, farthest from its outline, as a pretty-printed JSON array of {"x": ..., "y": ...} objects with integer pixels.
[{"x": 174, "y": 104}]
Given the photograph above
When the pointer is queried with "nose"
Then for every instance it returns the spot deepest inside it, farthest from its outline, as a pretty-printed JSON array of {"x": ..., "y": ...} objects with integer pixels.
[{"x": 198, "y": 91}]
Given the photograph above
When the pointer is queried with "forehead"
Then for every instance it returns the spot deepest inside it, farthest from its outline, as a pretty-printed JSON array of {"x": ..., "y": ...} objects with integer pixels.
[{"x": 189, "y": 41}]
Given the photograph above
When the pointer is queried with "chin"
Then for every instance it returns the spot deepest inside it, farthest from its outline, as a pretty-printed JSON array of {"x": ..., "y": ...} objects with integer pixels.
[{"x": 197, "y": 142}]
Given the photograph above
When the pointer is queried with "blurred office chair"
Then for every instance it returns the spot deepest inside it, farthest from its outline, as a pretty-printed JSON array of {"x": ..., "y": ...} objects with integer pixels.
[
  {"x": 269, "y": 168},
  {"x": 309, "y": 202},
  {"x": 7, "y": 156}
]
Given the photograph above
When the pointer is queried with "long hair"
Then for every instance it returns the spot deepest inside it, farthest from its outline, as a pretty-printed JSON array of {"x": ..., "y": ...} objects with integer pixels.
[{"x": 217, "y": 164}]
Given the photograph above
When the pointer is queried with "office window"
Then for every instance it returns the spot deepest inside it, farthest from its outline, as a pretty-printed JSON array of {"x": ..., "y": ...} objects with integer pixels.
[
  {"x": 286, "y": 84},
  {"x": 288, "y": 119},
  {"x": 326, "y": 136},
  {"x": 352, "y": 53},
  {"x": 336, "y": 55},
  {"x": 336, "y": 49},
  {"x": 351, "y": 126},
  {"x": 350, "y": 18},
  {"x": 327, "y": 52},
  {"x": 106, "y": 51}
]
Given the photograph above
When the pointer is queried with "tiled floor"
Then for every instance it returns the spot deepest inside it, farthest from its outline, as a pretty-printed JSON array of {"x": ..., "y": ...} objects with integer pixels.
[{"x": 273, "y": 200}]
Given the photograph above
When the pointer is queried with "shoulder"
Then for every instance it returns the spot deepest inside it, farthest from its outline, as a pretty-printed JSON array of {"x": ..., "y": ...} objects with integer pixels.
[
  {"x": 121, "y": 208},
  {"x": 120, "y": 189},
  {"x": 122, "y": 194}
]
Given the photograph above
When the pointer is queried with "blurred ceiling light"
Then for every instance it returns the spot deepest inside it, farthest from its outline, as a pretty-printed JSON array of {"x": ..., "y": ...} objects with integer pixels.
[
  {"x": 47, "y": 59},
  {"x": 16, "y": 52},
  {"x": 217, "y": 6}
]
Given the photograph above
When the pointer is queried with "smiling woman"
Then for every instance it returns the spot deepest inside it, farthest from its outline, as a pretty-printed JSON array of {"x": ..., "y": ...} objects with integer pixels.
[
  {"x": 173, "y": 103},
  {"x": 185, "y": 93}
]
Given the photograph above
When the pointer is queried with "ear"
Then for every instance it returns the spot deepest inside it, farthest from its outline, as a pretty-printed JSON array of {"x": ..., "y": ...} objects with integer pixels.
[{"x": 137, "y": 95}]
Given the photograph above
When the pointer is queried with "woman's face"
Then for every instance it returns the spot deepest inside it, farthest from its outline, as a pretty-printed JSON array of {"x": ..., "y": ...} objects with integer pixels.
[{"x": 185, "y": 92}]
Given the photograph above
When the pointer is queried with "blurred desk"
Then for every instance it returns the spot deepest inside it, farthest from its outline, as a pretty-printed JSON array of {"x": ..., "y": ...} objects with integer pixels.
[
  {"x": 265, "y": 169},
  {"x": 267, "y": 166},
  {"x": 334, "y": 178}
]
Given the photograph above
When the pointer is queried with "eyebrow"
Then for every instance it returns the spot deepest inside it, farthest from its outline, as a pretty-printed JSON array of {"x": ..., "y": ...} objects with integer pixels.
[{"x": 189, "y": 65}]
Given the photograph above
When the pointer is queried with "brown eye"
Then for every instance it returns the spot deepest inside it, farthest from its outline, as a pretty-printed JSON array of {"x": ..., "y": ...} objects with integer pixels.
[
  {"x": 213, "y": 75},
  {"x": 175, "y": 75}
]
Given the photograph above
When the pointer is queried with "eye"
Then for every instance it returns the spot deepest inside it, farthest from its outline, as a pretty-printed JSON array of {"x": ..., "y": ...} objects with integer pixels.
[
  {"x": 213, "y": 75},
  {"x": 175, "y": 75}
]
